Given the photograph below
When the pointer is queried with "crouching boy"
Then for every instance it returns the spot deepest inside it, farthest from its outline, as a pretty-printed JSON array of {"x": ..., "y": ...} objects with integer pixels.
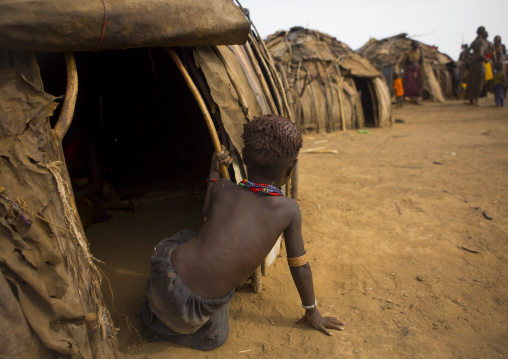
[{"x": 194, "y": 275}]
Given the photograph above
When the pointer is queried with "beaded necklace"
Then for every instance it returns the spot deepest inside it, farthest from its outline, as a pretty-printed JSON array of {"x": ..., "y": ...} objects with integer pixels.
[{"x": 261, "y": 188}]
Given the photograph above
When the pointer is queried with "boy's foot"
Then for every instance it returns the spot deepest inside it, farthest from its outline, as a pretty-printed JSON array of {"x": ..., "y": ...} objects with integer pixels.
[
  {"x": 147, "y": 332},
  {"x": 151, "y": 336}
]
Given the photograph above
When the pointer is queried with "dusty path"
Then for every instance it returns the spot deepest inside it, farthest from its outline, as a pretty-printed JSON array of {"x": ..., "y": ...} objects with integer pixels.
[{"x": 398, "y": 242}]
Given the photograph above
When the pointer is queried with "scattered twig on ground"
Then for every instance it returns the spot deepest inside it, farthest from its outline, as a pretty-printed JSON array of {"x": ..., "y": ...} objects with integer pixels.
[
  {"x": 319, "y": 150},
  {"x": 468, "y": 249},
  {"x": 398, "y": 208}
]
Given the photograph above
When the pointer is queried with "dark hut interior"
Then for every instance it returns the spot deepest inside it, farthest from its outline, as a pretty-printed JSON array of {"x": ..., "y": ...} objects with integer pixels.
[
  {"x": 368, "y": 98},
  {"x": 139, "y": 114}
]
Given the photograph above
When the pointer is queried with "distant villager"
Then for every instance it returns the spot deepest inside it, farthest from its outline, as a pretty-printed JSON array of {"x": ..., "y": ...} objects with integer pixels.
[
  {"x": 498, "y": 55},
  {"x": 398, "y": 87},
  {"x": 464, "y": 53},
  {"x": 476, "y": 68},
  {"x": 412, "y": 62},
  {"x": 489, "y": 75}
]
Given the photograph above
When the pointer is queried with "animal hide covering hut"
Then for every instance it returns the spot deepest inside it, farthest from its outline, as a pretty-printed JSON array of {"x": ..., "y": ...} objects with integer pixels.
[
  {"x": 332, "y": 87},
  {"x": 386, "y": 54},
  {"x": 135, "y": 90}
]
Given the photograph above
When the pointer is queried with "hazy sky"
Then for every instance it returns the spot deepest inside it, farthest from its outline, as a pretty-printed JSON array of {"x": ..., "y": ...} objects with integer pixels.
[{"x": 443, "y": 23}]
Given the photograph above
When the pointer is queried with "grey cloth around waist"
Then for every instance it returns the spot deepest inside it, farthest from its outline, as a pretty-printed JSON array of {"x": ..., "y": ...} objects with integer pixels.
[{"x": 174, "y": 312}]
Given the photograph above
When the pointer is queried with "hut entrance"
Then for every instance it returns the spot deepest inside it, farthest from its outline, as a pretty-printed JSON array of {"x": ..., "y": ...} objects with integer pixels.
[
  {"x": 138, "y": 131},
  {"x": 369, "y": 100},
  {"x": 153, "y": 135}
]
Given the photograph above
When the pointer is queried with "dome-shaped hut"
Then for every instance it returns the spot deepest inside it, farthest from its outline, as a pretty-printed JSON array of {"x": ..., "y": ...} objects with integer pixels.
[
  {"x": 332, "y": 86},
  {"x": 386, "y": 55}
]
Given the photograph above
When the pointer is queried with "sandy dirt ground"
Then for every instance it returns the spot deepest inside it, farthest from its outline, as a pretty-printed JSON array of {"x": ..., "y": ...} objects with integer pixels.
[{"x": 407, "y": 233}]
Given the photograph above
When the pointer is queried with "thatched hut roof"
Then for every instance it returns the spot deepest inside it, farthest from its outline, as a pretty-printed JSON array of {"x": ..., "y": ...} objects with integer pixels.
[
  {"x": 385, "y": 54},
  {"x": 324, "y": 75},
  {"x": 303, "y": 44}
]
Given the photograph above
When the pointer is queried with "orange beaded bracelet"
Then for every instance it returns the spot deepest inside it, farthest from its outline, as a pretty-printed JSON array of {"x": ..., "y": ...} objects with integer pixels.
[{"x": 297, "y": 261}]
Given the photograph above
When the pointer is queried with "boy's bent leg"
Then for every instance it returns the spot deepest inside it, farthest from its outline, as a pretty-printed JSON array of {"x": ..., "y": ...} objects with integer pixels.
[{"x": 210, "y": 336}]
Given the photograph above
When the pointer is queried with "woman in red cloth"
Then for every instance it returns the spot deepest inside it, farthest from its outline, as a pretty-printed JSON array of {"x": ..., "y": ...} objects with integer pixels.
[{"x": 413, "y": 61}]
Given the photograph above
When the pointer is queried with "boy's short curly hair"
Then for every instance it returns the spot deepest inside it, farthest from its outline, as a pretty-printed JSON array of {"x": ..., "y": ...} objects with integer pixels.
[
  {"x": 271, "y": 143},
  {"x": 272, "y": 136}
]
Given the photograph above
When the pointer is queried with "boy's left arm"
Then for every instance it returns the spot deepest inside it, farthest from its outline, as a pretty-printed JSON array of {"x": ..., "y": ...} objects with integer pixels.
[{"x": 302, "y": 277}]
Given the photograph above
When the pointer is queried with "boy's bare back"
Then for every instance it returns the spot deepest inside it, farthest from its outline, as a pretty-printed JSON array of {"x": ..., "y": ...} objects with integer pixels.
[{"x": 241, "y": 228}]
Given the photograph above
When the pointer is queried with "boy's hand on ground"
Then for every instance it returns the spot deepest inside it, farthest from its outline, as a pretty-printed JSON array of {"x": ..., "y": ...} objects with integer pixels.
[
  {"x": 219, "y": 158},
  {"x": 321, "y": 323}
]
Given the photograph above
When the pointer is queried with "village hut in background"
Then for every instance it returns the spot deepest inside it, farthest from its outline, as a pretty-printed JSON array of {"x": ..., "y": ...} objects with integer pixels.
[
  {"x": 153, "y": 108},
  {"x": 386, "y": 55},
  {"x": 332, "y": 87}
]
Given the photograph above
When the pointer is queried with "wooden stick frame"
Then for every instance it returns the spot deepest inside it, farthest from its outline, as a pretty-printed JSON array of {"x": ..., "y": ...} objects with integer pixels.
[
  {"x": 269, "y": 73},
  {"x": 202, "y": 106},
  {"x": 340, "y": 80},
  {"x": 92, "y": 329},
  {"x": 64, "y": 120},
  {"x": 262, "y": 80}
]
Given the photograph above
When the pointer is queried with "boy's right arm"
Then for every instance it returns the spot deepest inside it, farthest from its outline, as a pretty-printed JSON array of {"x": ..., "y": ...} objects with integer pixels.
[
  {"x": 302, "y": 276},
  {"x": 218, "y": 158}
]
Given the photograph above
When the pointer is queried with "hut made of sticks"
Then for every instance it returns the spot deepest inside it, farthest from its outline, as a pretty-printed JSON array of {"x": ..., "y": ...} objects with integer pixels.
[
  {"x": 162, "y": 84},
  {"x": 386, "y": 55},
  {"x": 332, "y": 87}
]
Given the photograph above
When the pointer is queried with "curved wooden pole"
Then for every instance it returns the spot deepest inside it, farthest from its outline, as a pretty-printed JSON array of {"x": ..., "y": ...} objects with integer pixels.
[
  {"x": 341, "y": 104},
  {"x": 257, "y": 281},
  {"x": 275, "y": 89},
  {"x": 340, "y": 80},
  {"x": 202, "y": 106},
  {"x": 261, "y": 78},
  {"x": 276, "y": 76},
  {"x": 64, "y": 120},
  {"x": 92, "y": 329},
  {"x": 286, "y": 95}
]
